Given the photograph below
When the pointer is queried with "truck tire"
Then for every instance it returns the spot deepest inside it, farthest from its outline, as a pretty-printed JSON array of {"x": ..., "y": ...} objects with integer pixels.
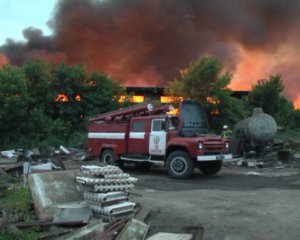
[
  {"x": 108, "y": 157},
  {"x": 210, "y": 167},
  {"x": 180, "y": 165}
]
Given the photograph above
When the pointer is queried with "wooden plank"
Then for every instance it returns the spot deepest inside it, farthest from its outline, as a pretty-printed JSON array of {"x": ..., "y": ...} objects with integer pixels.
[
  {"x": 46, "y": 224},
  {"x": 55, "y": 234}
]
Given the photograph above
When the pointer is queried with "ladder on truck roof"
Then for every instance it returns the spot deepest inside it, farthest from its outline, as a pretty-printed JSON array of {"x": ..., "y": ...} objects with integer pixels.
[{"x": 136, "y": 110}]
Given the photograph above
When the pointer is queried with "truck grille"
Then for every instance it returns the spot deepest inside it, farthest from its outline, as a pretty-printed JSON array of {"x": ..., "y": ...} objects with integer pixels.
[{"x": 213, "y": 147}]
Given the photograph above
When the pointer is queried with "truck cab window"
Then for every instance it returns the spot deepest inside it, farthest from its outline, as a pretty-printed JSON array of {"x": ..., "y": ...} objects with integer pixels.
[
  {"x": 173, "y": 123},
  {"x": 138, "y": 126},
  {"x": 158, "y": 125}
]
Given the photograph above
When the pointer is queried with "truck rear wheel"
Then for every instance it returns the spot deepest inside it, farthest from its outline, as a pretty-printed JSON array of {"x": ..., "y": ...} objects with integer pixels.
[
  {"x": 108, "y": 157},
  {"x": 210, "y": 167},
  {"x": 180, "y": 165}
]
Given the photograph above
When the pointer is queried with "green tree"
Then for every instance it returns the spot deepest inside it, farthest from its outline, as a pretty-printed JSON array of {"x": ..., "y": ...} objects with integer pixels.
[
  {"x": 101, "y": 94},
  {"x": 13, "y": 103},
  {"x": 38, "y": 79},
  {"x": 206, "y": 82},
  {"x": 266, "y": 94},
  {"x": 46, "y": 104}
]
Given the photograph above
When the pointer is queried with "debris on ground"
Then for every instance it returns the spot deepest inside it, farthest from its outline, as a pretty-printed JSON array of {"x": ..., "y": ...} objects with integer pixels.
[
  {"x": 90, "y": 231},
  {"x": 281, "y": 156},
  {"x": 74, "y": 213},
  {"x": 134, "y": 229},
  {"x": 75, "y": 197},
  {"x": 171, "y": 236},
  {"x": 51, "y": 188}
]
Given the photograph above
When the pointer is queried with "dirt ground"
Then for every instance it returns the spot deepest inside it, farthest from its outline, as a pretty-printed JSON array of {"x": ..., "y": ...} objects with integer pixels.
[{"x": 237, "y": 203}]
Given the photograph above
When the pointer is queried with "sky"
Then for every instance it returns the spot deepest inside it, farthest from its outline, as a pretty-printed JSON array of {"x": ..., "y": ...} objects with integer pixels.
[{"x": 16, "y": 15}]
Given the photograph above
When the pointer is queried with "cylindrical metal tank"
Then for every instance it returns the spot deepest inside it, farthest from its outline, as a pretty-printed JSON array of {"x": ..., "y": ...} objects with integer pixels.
[{"x": 261, "y": 127}]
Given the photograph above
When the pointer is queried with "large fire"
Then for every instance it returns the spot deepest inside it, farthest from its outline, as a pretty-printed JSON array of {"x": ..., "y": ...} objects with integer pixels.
[{"x": 145, "y": 43}]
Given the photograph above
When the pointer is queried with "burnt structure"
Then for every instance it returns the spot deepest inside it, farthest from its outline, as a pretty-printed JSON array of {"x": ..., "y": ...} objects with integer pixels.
[{"x": 154, "y": 93}]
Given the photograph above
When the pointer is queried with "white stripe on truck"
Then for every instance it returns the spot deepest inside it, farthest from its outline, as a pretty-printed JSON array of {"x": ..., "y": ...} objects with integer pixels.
[
  {"x": 137, "y": 135},
  {"x": 106, "y": 135}
]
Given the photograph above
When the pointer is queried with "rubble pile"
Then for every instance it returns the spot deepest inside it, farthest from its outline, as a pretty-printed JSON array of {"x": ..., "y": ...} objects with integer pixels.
[{"x": 106, "y": 191}]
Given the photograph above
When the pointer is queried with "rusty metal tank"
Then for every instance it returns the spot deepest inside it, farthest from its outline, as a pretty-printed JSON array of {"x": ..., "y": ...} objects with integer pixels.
[{"x": 260, "y": 128}]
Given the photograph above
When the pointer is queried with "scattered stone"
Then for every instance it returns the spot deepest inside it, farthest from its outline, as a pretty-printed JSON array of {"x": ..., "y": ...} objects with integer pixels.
[
  {"x": 297, "y": 155},
  {"x": 9, "y": 154},
  {"x": 251, "y": 163},
  {"x": 253, "y": 174},
  {"x": 64, "y": 150}
]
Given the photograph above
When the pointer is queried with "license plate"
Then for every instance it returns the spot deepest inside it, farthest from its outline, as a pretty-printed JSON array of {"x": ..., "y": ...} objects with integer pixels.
[{"x": 220, "y": 157}]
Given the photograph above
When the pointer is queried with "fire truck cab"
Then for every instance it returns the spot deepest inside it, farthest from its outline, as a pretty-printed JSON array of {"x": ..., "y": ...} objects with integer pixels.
[{"x": 145, "y": 135}]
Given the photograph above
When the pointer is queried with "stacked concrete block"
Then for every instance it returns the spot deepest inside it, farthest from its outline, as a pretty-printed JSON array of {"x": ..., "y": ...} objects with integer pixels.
[{"x": 106, "y": 191}]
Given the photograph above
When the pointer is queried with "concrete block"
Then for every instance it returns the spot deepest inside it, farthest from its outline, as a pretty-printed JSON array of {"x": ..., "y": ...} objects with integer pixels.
[{"x": 51, "y": 188}]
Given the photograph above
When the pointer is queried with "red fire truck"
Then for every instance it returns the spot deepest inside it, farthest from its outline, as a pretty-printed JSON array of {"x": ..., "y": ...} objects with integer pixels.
[{"x": 146, "y": 135}]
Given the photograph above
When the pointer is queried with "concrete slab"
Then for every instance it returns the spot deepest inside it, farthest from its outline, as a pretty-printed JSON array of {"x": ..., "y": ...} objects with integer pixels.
[{"x": 51, "y": 188}]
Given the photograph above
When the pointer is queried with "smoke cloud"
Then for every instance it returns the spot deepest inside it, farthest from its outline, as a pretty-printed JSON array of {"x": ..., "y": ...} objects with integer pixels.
[{"x": 145, "y": 43}]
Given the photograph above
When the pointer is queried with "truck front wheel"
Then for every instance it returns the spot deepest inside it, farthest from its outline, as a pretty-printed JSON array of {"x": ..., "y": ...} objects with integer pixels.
[
  {"x": 108, "y": 157},
  {"x": 180, "y": 165},
  {"x": 210, "y": 167}
]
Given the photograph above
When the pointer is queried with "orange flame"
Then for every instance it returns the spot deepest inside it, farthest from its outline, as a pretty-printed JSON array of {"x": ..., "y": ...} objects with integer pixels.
[
  {"x": 61, "y": 98},
  {"x": 297, "y": 103},
  {"x": 215, "y": 112},
  {"x": 168, "y": 99},
  {"x": 78, "y": 98},
  {"x": 175, "y": 111},
  {"x": 212, "y": 100},
  {"x": 133, "y": 99}
]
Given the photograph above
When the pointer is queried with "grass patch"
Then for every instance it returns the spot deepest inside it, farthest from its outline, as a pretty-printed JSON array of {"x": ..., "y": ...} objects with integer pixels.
[
  {"x": 288, "y": 135},
  {"x": 16, "y": 203}
]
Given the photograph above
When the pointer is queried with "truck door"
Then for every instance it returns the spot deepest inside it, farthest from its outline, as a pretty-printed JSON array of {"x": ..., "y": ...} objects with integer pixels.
[
  {"x": 158, "y": 135},
  {"x": 138, "y": 137}
]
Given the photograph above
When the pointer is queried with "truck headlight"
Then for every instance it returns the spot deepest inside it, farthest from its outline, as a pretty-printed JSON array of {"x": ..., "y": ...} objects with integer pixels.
[
  {"x": 227, "y": 145},
  {"x": 200, "y": 145}
]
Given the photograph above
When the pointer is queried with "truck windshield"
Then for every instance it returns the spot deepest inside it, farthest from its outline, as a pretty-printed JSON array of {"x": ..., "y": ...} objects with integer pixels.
[{"x": 194, "y": 120}]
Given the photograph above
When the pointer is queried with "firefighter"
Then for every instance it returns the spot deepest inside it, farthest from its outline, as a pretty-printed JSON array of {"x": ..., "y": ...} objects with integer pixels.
[{"x": 226, "y": 132}]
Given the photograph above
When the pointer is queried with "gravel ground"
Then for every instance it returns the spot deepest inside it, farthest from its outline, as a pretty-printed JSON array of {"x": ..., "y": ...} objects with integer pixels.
[{"x": 237, "y": 203}]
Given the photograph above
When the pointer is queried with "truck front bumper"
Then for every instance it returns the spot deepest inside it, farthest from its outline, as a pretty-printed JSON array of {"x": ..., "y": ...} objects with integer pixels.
[{"x": 214, "y": 157}]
